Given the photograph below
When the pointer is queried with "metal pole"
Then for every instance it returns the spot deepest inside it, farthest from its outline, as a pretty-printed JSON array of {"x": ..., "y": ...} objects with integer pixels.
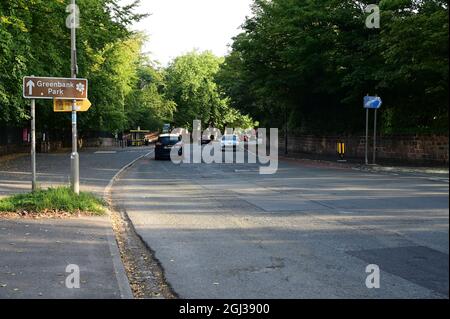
[
  {"x": 286, "y": 131},
  {"x": 74, "y": 158},
  {"x": 375, "y": 138},
  {"x": 367, "y": 136},
  {"x": 33, "y": 145}
]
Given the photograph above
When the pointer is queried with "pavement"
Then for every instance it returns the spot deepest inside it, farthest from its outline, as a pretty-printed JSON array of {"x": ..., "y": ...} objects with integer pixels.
[
  {"x": 308, "y": 231},
  {"x": 440, "y": 173},
  {"x": 34, "y": 254}
]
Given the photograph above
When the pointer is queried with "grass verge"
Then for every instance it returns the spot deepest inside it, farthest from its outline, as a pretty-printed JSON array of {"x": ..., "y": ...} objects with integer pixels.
[{"x": 61, "y": 201}]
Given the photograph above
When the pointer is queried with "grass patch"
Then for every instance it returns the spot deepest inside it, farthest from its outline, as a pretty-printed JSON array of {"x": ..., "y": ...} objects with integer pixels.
[{"x": 60, "y": 199}]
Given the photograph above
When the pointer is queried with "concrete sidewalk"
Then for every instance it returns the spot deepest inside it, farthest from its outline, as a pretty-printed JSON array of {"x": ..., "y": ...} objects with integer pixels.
[
  {"x": 433, "y": 173},
  {"x": 34, "y": 254},
  {"x": 439, "y": 174}
]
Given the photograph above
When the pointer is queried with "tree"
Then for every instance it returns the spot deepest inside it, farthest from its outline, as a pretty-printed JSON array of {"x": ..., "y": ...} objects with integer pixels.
[
  {"x": 191, "y": 84},
  {"x": 14, "y": 56},
  {"x": 147, "y": 105},
  {"x": 313, "y": 61},
  {"x": 414, "y": 77},
  {"x": 34, "y": 40}
]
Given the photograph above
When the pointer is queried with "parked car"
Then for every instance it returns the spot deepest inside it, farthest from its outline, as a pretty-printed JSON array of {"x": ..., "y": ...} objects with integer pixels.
[
  {"x": 255, "y": 140},
  {"x": 207, "y": 139},
  {"x": 165, "y": 144},
  {"x": 229, "y": 142}
]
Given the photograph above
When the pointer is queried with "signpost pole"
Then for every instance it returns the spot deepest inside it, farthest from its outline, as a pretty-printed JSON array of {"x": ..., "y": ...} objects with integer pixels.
[
  {"x": 286, "y": 131},
  {"x": 33, "y": 145},
  {"x": 367, "y": 136},
  {"x": 375, "y": 138},
  {"x": 75, "y": 160}
]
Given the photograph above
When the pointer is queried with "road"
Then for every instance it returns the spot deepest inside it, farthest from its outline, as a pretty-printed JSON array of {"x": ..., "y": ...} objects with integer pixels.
[
  {"x": 309, "y": 231},
  {"x": 97, "y": 167}
]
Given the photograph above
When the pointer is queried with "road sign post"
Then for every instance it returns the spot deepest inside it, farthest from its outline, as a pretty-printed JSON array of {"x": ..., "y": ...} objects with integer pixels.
[
  {"x": 33, "y": 146},
  {"x": 72, "y": 89},
  {"x": 286, "y": 132},
  {"x": 75, "y": 159},
  {"x": 367, "y": 136},
  {"x": 375, "y": 137},
  {"x": 371, "y": 102}
]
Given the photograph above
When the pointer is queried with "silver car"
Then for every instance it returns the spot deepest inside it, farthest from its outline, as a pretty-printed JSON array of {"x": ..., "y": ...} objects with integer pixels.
[{"x": 229, "y": 142}]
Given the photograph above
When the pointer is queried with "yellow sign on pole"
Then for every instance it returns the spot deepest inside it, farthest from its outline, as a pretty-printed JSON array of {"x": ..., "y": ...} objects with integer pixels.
[
  {"x": 341, "y": 148},
  {"x": 66, "y": 105},
  {"x": 341, "y": 151}
]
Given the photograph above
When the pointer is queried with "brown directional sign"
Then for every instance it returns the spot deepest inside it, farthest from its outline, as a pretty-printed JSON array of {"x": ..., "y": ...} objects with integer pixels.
[{"x": 51, "y": 88}]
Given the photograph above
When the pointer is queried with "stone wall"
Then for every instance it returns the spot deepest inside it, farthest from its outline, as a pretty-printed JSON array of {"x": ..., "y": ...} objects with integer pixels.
[{"x": 407, "y": 148}]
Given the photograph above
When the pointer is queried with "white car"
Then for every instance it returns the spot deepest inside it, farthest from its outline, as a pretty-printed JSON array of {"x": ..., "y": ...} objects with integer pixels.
[{"x": 229, "y": 142}]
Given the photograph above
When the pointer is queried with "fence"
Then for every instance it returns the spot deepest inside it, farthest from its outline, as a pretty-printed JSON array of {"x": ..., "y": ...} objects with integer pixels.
[{"x": 13, "y": 140}]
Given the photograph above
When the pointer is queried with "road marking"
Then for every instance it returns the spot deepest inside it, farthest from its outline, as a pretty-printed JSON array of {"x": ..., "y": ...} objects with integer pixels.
[
  {"x": 106, "y": 152},
  {"x": 437, "y": 179}
]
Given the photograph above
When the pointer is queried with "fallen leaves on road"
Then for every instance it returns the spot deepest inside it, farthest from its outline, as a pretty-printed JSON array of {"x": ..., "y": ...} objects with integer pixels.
[{"x": 144, "y": 273}]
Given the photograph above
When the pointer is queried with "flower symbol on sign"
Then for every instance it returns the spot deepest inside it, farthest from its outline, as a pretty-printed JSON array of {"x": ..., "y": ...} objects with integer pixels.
[{"x": 80, "y": 87}]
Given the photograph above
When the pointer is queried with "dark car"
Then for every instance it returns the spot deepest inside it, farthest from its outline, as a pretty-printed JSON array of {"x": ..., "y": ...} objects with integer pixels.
[{"x": 165, "y": 144}]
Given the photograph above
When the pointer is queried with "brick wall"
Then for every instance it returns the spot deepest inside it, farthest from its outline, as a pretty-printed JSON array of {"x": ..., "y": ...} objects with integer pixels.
[{"x": 408, "y": 148}]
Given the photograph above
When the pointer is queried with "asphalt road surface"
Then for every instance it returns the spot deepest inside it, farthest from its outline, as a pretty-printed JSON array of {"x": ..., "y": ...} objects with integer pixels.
[
  {"x": 309, "y": 231},
  {"x": 97, "y": 167}
]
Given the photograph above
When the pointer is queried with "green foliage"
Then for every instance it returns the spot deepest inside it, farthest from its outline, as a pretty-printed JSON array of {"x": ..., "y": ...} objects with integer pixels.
[
  {"x": 147, "y": 105},
  {"x": 34, "y": 40},
  {"x": 305, "y": 63},
  {"x": 126, "y": 90},
  {"x": 14, "y": 56},
  {"x": 191, "y": 84},
  {"x": 113, "y": 78},
  {"x": 54, "y": 199},
  {"x": 414, "y": 78},
  {"x": 311, "y": 62}
]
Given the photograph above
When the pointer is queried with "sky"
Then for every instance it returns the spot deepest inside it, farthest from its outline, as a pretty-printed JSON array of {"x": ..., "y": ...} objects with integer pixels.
[{"x": 179, "y": 26}]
